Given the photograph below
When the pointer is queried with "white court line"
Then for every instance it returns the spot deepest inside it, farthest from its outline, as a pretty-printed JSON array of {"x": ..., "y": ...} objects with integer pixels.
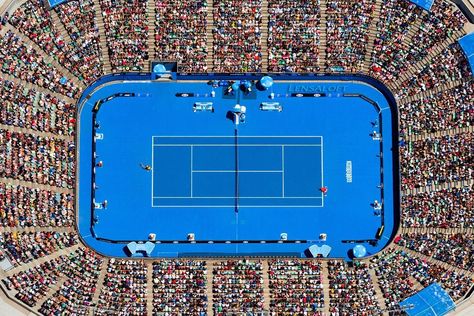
[
  {"x": 283, "y": 169},
  {"x": 322, "y": 169},
  {"x": 249, "y": 171},
  {"x": 261, "y": 136},
  {"x": 240, "y": 171},
  {"x": 240, "y": 206},
  {"x": 240, "y": 197},
  {"x": 192, "y": 155},
  {"x": 233, "y": 145},
  {"x": 152, "y": 171}
]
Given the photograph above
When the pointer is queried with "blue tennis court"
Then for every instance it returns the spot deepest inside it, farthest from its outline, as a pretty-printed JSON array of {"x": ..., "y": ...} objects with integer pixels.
[
  {"x": 312, "y": 158},
  {"x": 264, "y": 171}
]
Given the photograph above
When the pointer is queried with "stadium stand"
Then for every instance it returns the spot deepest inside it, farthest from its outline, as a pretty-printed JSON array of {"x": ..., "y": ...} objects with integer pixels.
[
  {"x": 27, "y": 246},
  {"x": 294, "y": 35},
  {"x": 47, "y": 58},
  {"x": 453, "y": 249},
  {"x": 448, "y": 66},
  {"x": 124, "y": 288},
  {"x": 181, "y": 33},
  {"x": 78, "y": 19},
  {"x": 347, "y": 37},
  {"x": 237, "y": 287},
  {"x": 237, "y": 35},
  {"x": 447, "y": 109},
  {"x": 437, "y": 160},
  {"x": 126, "y": 32},
  {"x": 351, "y": 289},
  {"x": 180, "y": 287},
  {"x": 296, "y": 286},
  {"x": 35, "y": 207},
  {"x": 442, "y": 208}
]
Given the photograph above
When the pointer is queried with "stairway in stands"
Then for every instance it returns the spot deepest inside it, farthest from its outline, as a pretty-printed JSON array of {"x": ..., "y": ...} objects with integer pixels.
[
  {"x": 322, "y": 36},
  {"x": 58, "y": 24},
  {"x": 372, "y": 35},
  {"x": 102, "y": 38},
  {"x": 210, "y": 38},
  {"x": 210, "y": 267},
  {"x": 151, "y": 12},
  {"x": 378, "y": 291},
  {"x": 264, "y": 35},
  {"x": 266, "y": 286},
  {"x": 325, "y": 283},
  {"x": 100, "y": 281},
  {"x": 149, "y": 286}
]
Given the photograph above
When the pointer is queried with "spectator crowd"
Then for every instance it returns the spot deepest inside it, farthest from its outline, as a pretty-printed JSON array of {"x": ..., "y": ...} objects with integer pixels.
[
  {"x": 26, "y": 247},
  {"x": 179, "y": 287},
  {"x": 25, "y": 63},
  {"x": 30, "y": 109},
  {"x": 296, "y": 287},
  {"x": 39, "y": 159},
  {"x": 449, "y": 66},
  {"x": 351, "y": 291},
  {"x": 397, "y": 21},
  {"x": 124, "y": 289},
  {"x": 237, "y": 36},
  {"x": 31, "y": 207},
  {"x": 294, "y": 35},
  {"x": 456, "y": 249},
  {"x": 78, "y": 18},
  {"x": 181, "y": 33},
  {"x": 237, "y": 287},
  {"x": 347, "y": 38},
  {"x": 437, "y": 160},
  {"x": 449, "y": 109},
  {"x": 126, "y": 31},
  {"x": 446, "y": 208}
]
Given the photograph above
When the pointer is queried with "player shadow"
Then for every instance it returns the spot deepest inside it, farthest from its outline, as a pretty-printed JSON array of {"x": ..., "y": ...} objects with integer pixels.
[
  {"x": 145, "y": 167},
  {"x": 230, "y": 116}
]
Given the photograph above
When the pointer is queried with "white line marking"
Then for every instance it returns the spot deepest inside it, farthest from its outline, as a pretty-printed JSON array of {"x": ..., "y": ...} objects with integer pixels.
[
  {"x": 192, "y": 155},
  {"x": 283, "y": 173},
  {"x": 209, "y": 136},
  {"x": 232, "y": 197},
  {"x": 152, "y": 170},
  {"x": 322, "y": 169},
  {"x": 233, "y": 171},
  {"x": 249, "y": 171},
  {"x": 242, "y": 206},
  {"x": 233, "y": 145}
]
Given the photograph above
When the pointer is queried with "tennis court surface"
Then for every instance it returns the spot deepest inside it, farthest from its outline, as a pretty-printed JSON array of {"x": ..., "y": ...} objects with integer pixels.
[
  {"x": 177, "y": 159},
  {"x": 233, "y": 171}
]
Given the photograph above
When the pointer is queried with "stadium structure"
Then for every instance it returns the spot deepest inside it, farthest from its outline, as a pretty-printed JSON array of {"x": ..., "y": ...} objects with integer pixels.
[{"x": 236, "y": 157}]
